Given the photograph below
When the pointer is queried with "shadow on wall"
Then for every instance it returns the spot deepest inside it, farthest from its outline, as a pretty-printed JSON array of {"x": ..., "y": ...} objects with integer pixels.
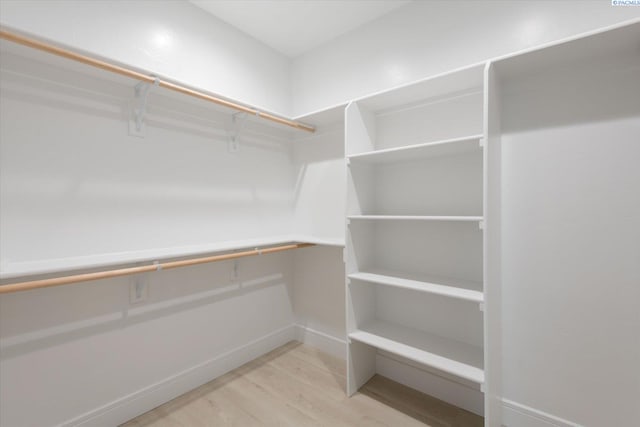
[
  {"x": 319, "y": 193},
  {"x": 78, "y": 89},
  {"x": 43, "y": 318},
  {"x": 74, "y": 180},
  {"x": 558, "y": 98}
]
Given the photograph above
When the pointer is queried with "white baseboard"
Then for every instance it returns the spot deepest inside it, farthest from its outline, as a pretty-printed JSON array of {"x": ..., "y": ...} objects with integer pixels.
[
  {"x": 517, "y": 415},
  {"x": 141, "y": 401},
  {"x": 134, "y": 404},
  {"x": 455, "y": 393},
  {"x": 327, "y": 343}
]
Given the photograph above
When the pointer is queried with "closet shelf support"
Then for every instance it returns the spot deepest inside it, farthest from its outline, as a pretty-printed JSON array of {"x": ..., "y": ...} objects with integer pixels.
[
  {"x": 139, "y": 107},
  {"x": 237, "y": 124}
]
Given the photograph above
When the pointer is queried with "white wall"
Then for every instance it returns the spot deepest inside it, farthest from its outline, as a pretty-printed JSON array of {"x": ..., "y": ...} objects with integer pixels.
[
  {"x": 318, "y": 298},
  {"x": 320, "y": 189},
  {"x": 175, "y": 39},
  {"x": 178, "y": 40},
  {"x": 570, "y": 241},
  {"x": 429, "y": 37},
  {"x": 82, "y": 354},
  {"x": 75, "y": 181}
]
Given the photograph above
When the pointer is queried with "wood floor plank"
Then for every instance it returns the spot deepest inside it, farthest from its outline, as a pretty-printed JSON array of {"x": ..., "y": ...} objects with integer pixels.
[
  {"x": 318, "y": 358},
  {"x": 299, "y": 386},
  {"x": 267, "y": 407},
  {"x": 312, "y": 375}
]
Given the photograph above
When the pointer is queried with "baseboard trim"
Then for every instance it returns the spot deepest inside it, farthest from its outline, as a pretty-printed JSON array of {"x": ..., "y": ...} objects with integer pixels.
[
  {"x": 325, "y": 342},
  {"x": 517, "y": 415},
  {"x": 143, "y": 400}
]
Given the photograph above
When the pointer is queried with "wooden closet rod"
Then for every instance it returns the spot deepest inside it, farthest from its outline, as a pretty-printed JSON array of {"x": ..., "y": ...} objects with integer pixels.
[
  {"x": 65, "y": 280},
  {"x": 65, "y": 53}
]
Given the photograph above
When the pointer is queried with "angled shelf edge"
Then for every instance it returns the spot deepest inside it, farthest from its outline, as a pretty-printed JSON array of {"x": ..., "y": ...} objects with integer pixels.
[
  {"x": 464, "y": 79},
  {"x": 426, "y": 150},
  {"x": 432, "y": 286},
  {"x": 450, "y": 356}
]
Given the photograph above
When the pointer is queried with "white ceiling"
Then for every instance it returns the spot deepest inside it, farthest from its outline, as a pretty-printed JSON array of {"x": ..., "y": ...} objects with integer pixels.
[{"x": 294, "y": 27}]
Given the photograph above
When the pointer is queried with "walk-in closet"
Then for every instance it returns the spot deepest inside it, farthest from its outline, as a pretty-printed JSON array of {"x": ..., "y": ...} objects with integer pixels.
[{"x": 319, "y": 213}]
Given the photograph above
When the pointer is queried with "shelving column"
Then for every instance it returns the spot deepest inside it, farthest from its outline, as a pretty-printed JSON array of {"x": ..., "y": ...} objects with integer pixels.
[{"x": 414, "y": 249}]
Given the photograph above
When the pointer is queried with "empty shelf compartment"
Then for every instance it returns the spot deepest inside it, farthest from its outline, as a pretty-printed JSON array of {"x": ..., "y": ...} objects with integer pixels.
[
  {"x": 453, "y": 288},
  {"x": 454, "y": 357}
]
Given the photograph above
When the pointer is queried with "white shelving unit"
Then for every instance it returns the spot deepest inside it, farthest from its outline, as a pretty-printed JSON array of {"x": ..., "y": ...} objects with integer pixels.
[
  {"x": 425, "y": 236},
  {"x": 415, "y": 219}
]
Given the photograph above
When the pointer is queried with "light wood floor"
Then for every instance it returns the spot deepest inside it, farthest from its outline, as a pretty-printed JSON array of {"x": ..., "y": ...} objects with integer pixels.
[{"x": 297, "y": 386}]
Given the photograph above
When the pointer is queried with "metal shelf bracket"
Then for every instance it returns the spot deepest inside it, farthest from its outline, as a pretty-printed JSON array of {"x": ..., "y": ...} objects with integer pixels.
[
  {"x": 237, "y": 124},
  {"x": 137, "y": 123}
]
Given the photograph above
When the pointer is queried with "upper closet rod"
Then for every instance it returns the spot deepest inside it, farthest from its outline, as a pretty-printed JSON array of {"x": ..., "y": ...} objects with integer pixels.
[
  {"x": 65, "y": 280},
  {"x": 65, "y": 53}
]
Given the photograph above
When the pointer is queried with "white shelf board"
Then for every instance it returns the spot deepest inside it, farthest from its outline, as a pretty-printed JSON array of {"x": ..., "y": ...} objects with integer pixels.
[
  {"x": 466, "y": 290},
  {"x": 468, "y": 144},
  {"x": 414, "y": 218},
  {"x": 454, "y": 357},
  {"x": 321, "y": 241},
  {"x": 10, "y": 270},
  {"x": 326, "y": 116},
  {"x": 451, "y": 82}
]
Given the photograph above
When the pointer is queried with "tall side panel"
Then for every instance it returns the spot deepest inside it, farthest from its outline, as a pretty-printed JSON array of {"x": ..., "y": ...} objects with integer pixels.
[
  {"x": 359, "y": 137},
  {"x": 492, "y": 252}
]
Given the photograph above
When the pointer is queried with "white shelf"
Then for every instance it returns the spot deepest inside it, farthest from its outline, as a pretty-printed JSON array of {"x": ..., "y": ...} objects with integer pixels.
[
  {"x": 447, "y": 147},
  {"x": 321, "y": 241},
  {"x": 453, "y": 357},
  {"x": 10, "y": 270},
  {"x": 438, "y": 286},
  {"x": 414, "y": 218},
  {"x": 460, "y": 80}
]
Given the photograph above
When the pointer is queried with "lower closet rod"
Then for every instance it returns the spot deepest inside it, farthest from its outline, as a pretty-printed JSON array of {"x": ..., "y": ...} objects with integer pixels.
[{"x": 65, "y": 280}]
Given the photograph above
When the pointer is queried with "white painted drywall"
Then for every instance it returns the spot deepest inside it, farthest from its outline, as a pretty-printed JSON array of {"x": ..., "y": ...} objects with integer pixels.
[
  {"x": 318, "y": 297},
  {"x": 76, "y": 182},
  {"x": 180, "y": 41},
  {"x": 570, "y": 242},
  {"x": 71, "y": 353},
  {"x": 309, "y": 23},
  {"x": 320, "y": 186},
  {"x": 73, "y": 182},
  {"x": 319, "y": 211},
  {"x": 425, "y": 38},
  {"x": 175, "y": 39}
]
